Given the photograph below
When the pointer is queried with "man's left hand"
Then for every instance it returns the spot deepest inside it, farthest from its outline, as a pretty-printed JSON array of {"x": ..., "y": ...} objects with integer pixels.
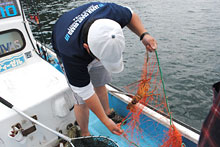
[{"x": 149, "y": 42}]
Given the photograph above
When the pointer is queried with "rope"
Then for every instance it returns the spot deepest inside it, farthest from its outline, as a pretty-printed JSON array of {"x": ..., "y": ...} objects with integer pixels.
[{"x": 161, "y": 77}]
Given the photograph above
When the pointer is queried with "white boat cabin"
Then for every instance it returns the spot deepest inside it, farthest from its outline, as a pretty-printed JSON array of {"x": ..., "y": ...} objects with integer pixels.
[{"x": 29, "y": 83}]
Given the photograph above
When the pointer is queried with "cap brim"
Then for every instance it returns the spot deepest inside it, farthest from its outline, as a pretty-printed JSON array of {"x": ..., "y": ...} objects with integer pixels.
[{"x": 114, "y": 67}]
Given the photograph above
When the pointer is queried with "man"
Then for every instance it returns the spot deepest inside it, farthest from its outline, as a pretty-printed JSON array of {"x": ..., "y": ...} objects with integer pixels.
[{"x": 89, "y": 41}]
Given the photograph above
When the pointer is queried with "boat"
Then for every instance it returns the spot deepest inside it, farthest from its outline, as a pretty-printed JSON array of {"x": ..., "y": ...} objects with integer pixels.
[{"x": 32, "y": 80}]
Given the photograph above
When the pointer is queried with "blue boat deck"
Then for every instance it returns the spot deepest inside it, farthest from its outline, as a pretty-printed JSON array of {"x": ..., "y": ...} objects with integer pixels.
[{"x": 151, "y": 136}]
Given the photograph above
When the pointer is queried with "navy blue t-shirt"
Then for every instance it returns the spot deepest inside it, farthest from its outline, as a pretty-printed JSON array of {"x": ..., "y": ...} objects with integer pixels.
[{"x": 67, "y": 36}]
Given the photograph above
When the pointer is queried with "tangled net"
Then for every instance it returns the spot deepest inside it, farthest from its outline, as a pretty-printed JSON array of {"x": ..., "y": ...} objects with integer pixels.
[{"x": 149, "y": 91}]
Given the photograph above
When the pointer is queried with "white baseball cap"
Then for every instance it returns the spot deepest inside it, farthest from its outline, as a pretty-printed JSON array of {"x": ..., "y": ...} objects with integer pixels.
[{"x": 106, "y": 41}]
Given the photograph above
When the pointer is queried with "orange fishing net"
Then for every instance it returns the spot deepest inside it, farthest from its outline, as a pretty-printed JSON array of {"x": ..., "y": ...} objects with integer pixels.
[
  {"x": 173, "y": 138},
  {"x": 149, "y": 91}
]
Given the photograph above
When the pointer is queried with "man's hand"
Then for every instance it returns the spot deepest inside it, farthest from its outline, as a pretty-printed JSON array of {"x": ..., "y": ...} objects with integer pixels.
[
  {"x": 149, "y": 42},
  {"x": 115, "y": 129},
  {"x": 95, "y": 105}
]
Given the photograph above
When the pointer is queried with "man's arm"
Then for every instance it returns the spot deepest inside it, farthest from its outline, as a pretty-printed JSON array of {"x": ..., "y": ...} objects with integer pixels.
[
  {"x": 137, "y": 27},
  {"x": 94, "y": 104}
]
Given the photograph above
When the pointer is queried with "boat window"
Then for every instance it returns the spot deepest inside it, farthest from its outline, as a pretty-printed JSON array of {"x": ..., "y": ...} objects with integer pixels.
[{"x": 11, "y": 41}]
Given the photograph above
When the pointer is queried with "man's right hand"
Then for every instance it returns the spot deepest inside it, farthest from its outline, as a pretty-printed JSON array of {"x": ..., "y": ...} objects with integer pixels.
[
  {"x": 114, "y": 128},
  {"x": 95, "y": 105}
]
